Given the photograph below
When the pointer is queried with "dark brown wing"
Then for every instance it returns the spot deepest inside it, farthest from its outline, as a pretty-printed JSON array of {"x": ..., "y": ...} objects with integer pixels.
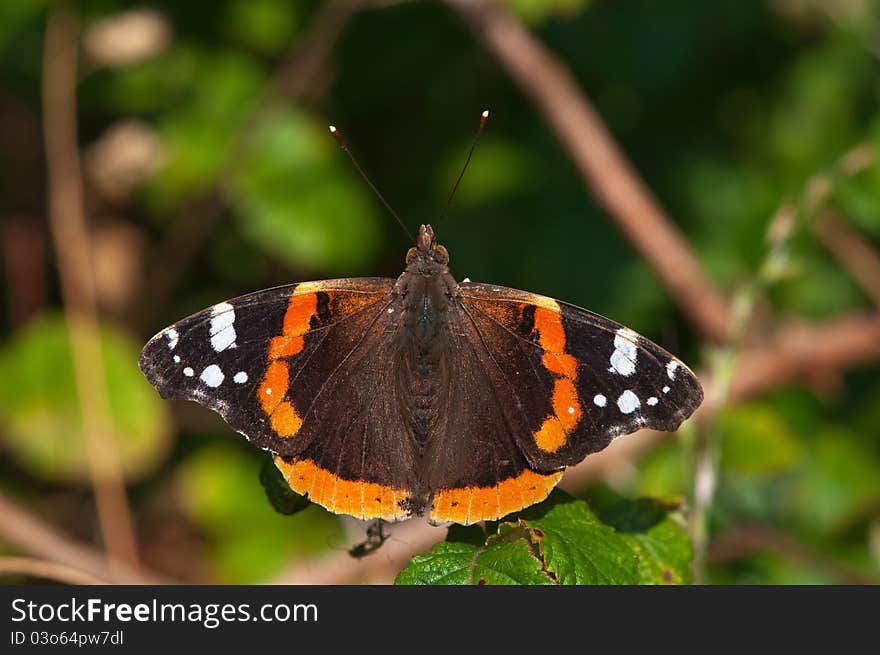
[
  {"x": 296, "y": 369},
  {"x": 578, "y": 379}
]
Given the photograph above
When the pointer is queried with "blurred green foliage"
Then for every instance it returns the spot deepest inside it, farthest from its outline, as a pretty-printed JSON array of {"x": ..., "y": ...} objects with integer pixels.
[
  {"x": 727, "y": 109},
  {"x": 40, "y": 412}
]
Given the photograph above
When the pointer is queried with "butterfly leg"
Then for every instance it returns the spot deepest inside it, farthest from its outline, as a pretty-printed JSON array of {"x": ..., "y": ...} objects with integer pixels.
[{"x": 376, "y": 536}]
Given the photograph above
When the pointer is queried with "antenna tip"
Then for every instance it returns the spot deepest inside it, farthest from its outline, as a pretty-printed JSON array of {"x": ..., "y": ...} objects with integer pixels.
[
  {"x": 332, "y": 129},
  {"x": 485, "y": 113}
]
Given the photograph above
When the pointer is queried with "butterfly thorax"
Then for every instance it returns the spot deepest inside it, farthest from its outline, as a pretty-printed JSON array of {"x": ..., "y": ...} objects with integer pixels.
[{"x": 426, "y": 288}]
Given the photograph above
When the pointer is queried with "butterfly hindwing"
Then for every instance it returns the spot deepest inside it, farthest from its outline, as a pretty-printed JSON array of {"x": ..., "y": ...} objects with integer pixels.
[{"x": 578, "y": 378}]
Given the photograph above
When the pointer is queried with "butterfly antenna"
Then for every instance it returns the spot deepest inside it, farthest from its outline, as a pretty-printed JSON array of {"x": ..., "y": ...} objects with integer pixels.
[
  {"x": 369, "y": 182},
  {"x": 484, "y": 117}
]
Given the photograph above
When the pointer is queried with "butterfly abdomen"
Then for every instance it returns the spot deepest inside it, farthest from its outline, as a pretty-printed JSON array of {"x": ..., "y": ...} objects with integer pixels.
[{"x": 424, "y": 341}]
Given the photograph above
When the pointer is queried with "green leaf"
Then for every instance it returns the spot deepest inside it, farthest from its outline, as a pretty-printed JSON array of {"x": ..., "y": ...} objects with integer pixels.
[
  {"x": 756, "y": 440},
  {"x": 298, "y": 199},
  {"x": 502, "y": 561},
  {"x": 663, "y": 548},
  {"x": 40, "y": 411},
  {"x": 839, "y": 481},
  {"x": 508, "y": 560},
  {"x": 267, "y": 25},
  {"x": 197, "y": 135},
  {"x": 248, "y": 540},
  {"x": 448, "y": 563},
  {"x": 576, "y": 547},
  {"x": 502, "y": 169},
  {"x": 664, "y": 473},
  {"x": 284, "y": 499}
]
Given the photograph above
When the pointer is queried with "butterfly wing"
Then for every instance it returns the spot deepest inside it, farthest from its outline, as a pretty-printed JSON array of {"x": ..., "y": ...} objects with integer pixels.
[
  {"x": 239, "y": 356},
  {"x": 474, "y": 465},
  {"x": 577, "y": 379},
  {"x": 296, "y": 370}
]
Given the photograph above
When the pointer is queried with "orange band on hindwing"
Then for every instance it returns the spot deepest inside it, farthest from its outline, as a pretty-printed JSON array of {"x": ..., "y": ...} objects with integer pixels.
[
  {"x": 471, "y": 504},
  {"x": 363, "y": 500},
  {"x": 567, "y": 410}
]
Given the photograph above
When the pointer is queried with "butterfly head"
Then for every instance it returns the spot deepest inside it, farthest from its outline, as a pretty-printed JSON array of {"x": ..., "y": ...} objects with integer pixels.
[{"x": 427, "y": 258}]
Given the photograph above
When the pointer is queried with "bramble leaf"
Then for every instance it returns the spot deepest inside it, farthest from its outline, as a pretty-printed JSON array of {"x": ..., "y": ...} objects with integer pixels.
[
  {"x": 562, "y": 541},
  {"x": 662, "y": 547}
]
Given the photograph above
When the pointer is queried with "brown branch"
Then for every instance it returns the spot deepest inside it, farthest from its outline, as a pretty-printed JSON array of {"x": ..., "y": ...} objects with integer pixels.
[
  {"x": 297, "y": 74},
  {"x": 854, "y": 252},
  {"x": 67, "y": 222},
  {"x": 37, "y": 568},
  {"x": 30, "y": 534},
  {"x": 805, "y": 350},
  {"x": 600, "y": 162}
]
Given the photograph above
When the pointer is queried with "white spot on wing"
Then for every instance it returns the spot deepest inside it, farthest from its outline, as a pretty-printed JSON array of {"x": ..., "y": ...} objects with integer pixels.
[
  {"x": 177, "y": 359},
  {"x": 222, "y": 326},
  {"x": 173, "y": 336},
  {"x": 188, "y": 372},
  {"x": 665, "y": 389},
  {"x": 628, "y": 402},
  {"x": 212, "y": 376},
  {"x": 268, "y": 391},
  {"x": 240, "y": 378},
  {"x": 571, "y": 410},
  {"x": 623, "y": 359},
  {"x": 652, "y": 401},
  {"x": 670, "y": 369},
  {"x": 600, "y": 400}
]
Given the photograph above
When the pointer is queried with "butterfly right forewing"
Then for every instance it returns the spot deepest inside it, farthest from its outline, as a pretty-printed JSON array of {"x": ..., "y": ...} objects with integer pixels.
[{"x": 580, "y": 378}]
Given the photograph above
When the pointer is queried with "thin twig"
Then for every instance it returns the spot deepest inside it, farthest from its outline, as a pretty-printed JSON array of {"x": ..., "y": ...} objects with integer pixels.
[
  {"x": 854, "y": 252},
  {"x": 38, "y": 568},
  {"x": 602, "y": 165},
  {"x": 803, "y": 351},
  {"x": 23, "y": 530},
  {"x": 67, "y": 222}
]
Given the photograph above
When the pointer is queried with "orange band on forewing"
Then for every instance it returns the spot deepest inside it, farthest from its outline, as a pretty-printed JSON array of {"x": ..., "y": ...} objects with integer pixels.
[
  {"x": 363, "y": 500},
  {"x": 560, "y": 364},
  {"x": 551, "y": 334},
  {"x": 298, "y": 318},
  {"x": 283, "y": 417},
  {"x": 273, "y": 387},
  {"x": 285, "y": 420},
  {"x": 566, "y": 403},
  {"x": 567, "y": 410},
  {"x": 471, "y": 504},
  {"x": 285, "y": 346},
  {"x": 551, "y": 435}
]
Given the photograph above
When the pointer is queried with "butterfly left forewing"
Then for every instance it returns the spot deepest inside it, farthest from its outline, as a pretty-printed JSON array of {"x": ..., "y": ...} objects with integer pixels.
[
  {"x": 580, "y": 378},
  {"x": 241, "y": 357}
]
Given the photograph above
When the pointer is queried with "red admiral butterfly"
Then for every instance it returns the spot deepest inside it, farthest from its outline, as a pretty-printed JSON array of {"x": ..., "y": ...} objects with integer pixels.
[{"x": 384, "y": 398}]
